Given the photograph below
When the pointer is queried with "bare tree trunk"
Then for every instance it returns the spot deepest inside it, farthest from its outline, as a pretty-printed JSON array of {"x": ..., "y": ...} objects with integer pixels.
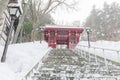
[
  {"x": 3, "y": 5},
  {"x": 21, "y": 36},
  {"x": 20, "y": 23},
  {"x": 33, "y": 33}
]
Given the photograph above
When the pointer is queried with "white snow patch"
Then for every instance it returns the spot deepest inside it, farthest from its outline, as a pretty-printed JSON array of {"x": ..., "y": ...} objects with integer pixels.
[
  {"x": 22, "y": 57},
  {"x": 6, "y": 73}
]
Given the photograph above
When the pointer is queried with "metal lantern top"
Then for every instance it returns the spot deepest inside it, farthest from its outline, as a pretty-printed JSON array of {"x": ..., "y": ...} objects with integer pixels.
[
  {"x": 88, "y": 29},
  {"x": 14, "y": 10}
]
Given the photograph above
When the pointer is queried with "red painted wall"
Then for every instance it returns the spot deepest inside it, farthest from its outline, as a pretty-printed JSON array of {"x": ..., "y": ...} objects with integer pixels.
[{"x": 62, "y": 36}]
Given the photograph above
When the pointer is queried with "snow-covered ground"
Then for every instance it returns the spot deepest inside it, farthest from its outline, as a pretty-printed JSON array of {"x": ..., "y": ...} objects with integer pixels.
[
  {"x": 22, "y": 57},
  {"x": 6, "y": 73}
]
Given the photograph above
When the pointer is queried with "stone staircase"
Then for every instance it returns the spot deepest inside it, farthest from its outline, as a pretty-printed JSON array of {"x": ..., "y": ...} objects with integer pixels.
[{"x": 64, "y": 64}]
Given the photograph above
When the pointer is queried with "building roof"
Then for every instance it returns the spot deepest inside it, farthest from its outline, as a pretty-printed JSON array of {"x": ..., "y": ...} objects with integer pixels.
[{"x": 61, "y": 26}]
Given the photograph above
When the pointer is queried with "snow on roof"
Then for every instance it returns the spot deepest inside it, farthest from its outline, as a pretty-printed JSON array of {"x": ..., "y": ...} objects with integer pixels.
[{"x": 61, "y": 26}]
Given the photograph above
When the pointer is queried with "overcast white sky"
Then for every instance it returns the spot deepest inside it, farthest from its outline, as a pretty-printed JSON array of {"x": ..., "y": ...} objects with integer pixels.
[{"x": 84, "y": 8}]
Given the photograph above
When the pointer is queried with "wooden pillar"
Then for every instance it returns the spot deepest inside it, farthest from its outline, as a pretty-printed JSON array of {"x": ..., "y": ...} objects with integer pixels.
[
  {"x": 69, "y": 40},
  {"x": 49, "y": 38},
  {"x": 55, "y": 38},
  {"x": 77, "y": 37}
]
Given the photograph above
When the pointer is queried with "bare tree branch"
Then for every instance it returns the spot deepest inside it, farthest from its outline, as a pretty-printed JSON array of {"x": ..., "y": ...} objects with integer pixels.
[
  {"x": 38, "y": 10},
  {"x": 59, "y": 3},
  {"x": 47, "y": 7}
]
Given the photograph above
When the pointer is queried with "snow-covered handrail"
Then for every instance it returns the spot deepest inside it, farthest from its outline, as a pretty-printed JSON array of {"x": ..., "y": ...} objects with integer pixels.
[
  {"x": 110, "y": 54},
  {"x": 100, "y": 48},
  {"x": 27, "y": 75},
  {"x": 35, "y": 66}
]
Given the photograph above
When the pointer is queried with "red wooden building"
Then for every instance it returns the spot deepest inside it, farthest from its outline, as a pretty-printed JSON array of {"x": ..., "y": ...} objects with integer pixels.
[{"x": 57, "y": 35}]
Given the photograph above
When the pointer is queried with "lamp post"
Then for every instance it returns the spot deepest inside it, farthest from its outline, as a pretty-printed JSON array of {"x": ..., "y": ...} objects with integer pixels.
[
  {"x": 40, "y": 32},
  {"x": 88, "y": 30},
  {"x": 15, "y": 12}
]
